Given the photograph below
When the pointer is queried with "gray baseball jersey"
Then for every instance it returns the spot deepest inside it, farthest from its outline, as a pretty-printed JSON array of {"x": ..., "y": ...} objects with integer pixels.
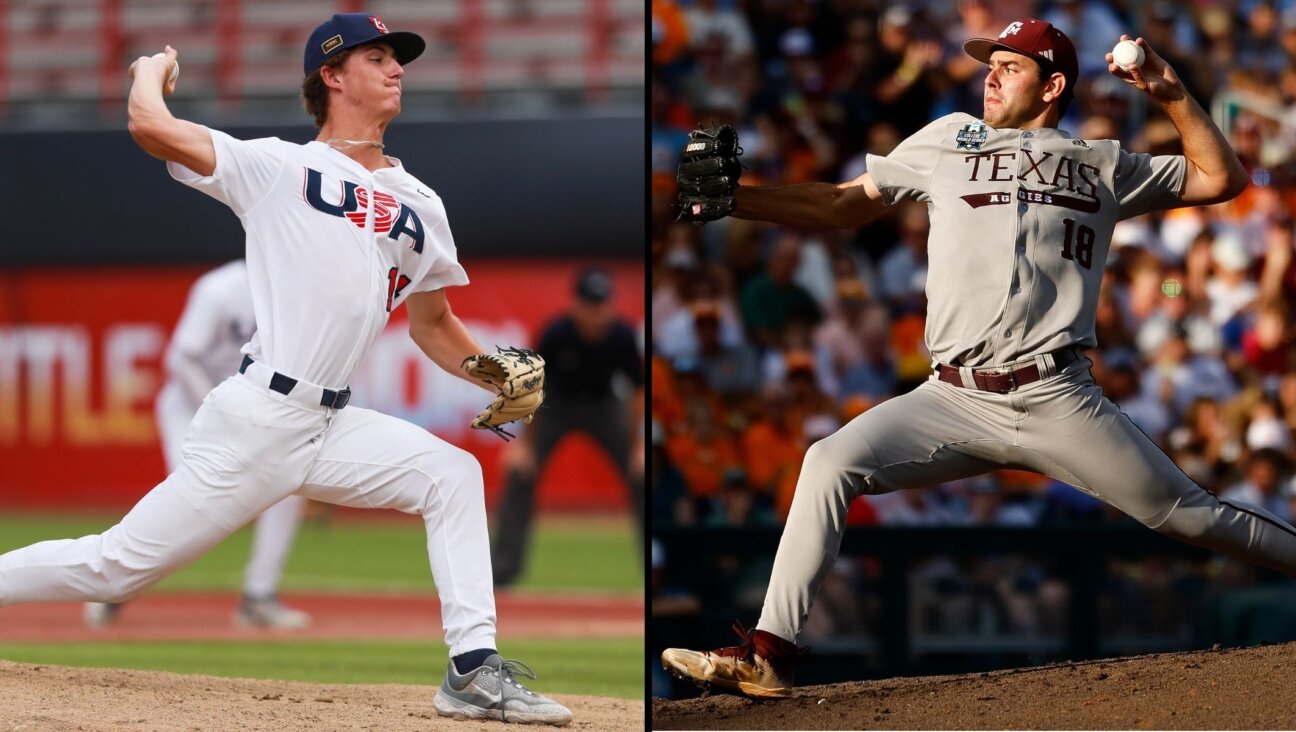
[{"x": 1020, "y": 226}]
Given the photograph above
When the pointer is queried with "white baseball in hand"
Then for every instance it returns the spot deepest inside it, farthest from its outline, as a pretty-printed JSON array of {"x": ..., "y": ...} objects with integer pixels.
[
  {"x": 1128, "y": 55},
  {"x": 171, "y": 78}
]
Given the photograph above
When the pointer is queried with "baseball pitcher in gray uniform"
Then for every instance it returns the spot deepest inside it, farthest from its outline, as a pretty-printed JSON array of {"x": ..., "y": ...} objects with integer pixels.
[{"x": 1021, "y": 221}]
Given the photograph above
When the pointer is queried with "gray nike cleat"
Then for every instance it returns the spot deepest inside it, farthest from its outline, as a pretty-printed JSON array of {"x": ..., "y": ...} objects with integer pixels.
[{"x": 492, "y": 692}]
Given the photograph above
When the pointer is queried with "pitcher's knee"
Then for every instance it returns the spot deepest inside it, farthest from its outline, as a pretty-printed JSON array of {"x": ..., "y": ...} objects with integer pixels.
[
  {"x": 834, "y": 464},
  {"x": 121, "y": 583},
  {"x": 459, "y": 467},
  {"x": 456, "y": 473},
  {"x": 113, "y": 571}
]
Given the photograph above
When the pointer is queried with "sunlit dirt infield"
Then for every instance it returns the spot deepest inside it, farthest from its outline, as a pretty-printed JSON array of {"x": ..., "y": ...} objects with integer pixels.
[{"x": 34, "y": 697}]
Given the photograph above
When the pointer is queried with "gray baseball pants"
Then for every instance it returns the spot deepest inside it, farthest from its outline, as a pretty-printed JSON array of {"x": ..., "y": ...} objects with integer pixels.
[{"x": 1062, "y": 427}]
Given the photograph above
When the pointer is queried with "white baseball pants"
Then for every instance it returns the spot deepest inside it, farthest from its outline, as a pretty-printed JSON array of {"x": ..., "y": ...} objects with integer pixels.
[
  {"x": 276, "y": 527},
  {"x": 249, "y": 448},
  {"x": 1062, "y": 427}
]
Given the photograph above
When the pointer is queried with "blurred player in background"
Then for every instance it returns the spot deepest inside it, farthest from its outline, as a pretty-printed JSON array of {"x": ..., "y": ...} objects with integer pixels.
[
  {"x": 585, "y": 350},
  {"x": 204, "y": 350}
]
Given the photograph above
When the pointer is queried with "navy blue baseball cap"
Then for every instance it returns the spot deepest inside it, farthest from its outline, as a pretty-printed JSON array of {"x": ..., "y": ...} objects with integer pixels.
[{"x": 347, "y": 30}]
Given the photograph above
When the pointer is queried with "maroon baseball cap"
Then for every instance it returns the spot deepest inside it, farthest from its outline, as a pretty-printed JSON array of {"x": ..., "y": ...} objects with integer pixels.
[{"x": 1035, "y": 38}]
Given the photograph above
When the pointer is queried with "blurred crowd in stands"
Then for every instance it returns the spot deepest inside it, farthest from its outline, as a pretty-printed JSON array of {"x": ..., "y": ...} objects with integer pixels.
[{"x": 765, "y": 339}]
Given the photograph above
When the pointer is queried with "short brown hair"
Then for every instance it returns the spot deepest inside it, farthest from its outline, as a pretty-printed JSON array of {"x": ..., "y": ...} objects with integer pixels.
[
  {"x": 315, "y": 93},
  {"x": 1046, "y": 71}
]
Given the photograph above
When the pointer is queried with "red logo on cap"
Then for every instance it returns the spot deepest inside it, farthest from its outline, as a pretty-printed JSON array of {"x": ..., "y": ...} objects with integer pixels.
[{"x": 382, "y": 27}]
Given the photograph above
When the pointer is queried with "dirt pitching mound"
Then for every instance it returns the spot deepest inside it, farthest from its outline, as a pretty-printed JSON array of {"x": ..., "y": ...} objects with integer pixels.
[
  {"x": 1247, "y": 688},
  {"x": 58, "y": 698}
]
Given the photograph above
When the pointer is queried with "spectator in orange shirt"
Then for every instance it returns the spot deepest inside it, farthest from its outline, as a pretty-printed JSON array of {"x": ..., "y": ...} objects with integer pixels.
[
  {"x": 771, "y": 445},
  {"x": 670, "y": 34},
  {"x": 691, "y": 388},
  {"x": 666, "y": 406},
  {"x": 814, "y": 430},
  {"x": 702, "y": 452},
  {"x": 802, "y": 383}
]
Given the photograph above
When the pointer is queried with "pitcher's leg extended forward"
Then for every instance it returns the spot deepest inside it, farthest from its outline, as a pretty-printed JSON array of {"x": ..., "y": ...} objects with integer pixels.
[
  {"x": 1080, "y": 437},
  {"x": 227, "y": 476},
  {"x": 927, "y": 436}
]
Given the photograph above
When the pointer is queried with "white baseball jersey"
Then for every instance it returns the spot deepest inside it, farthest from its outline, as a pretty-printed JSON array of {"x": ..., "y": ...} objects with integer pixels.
[
  {"x": 1031, "y": 212},
  {"x": 332, "y": 249}
]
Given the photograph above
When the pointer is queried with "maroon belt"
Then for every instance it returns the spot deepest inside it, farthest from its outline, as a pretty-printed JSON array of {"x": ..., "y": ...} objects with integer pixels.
[{"x": 1002, "y": 382}]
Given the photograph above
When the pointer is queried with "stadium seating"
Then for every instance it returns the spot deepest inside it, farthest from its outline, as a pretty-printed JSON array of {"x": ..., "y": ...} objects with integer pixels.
[{"x": 78, "y": 50}]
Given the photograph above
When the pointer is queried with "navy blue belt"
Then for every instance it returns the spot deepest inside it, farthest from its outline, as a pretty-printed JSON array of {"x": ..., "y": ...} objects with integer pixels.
[{"x": 285, "y": 384}]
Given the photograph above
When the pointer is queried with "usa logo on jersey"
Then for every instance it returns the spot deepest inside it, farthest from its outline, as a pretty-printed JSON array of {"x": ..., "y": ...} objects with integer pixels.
[{"x": 390, "y": 217}]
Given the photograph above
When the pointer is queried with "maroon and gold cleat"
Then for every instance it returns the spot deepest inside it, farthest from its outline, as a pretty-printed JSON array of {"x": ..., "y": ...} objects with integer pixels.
[{"x": 762, "y": 666}]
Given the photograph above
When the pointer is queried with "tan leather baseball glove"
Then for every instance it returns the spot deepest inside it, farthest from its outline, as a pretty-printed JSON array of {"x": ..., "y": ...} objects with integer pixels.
[
  {"x": 518, "y": 373},
  {"x": 504, "y": 409},
  {"x": 514, "y": 371}
]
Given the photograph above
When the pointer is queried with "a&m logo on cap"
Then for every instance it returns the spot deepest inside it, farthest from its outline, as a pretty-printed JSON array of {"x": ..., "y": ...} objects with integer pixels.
[
  {"x": 1012, "y": 29},
  {"x": 377, "y": 23}
]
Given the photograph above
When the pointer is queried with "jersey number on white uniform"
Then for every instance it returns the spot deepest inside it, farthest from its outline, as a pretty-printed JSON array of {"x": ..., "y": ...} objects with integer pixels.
[{"x": 395, "y": 283}]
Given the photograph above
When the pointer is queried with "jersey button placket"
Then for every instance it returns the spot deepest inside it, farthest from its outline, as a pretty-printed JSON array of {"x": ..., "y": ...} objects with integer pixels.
[
  {"x": 375, "y": 266},
  {"x": 1012, "y": 316}
]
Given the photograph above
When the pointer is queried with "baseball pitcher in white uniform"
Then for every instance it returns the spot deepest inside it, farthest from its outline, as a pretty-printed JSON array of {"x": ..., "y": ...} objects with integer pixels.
[
  {"x": 339, "y": 234},
  {"x": 1021, "y": 220},
  {"x": 204, "y": 349}
]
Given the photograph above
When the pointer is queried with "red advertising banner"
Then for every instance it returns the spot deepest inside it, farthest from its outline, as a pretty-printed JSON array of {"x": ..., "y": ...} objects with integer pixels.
[{"x": 80, "y": 367}]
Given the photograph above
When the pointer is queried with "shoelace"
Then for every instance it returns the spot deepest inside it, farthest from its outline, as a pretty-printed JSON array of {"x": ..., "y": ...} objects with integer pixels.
[
  {"x": 510, "y": 667},
  {"x": 747, "y": 650}
]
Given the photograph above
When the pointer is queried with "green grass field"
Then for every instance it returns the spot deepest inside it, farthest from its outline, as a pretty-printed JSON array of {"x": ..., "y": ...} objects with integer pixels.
[
  {"x": 603, "y": 667},
  {"x": 576, "y": 554},
  {"x": 349, "y": 554}
]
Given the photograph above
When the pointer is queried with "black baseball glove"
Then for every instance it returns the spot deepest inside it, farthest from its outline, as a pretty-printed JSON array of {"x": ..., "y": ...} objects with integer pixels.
[{"x": 708, "y": 174}]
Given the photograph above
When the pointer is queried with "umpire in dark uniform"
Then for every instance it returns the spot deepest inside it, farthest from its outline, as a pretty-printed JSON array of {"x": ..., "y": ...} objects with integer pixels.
[{"x": 587, "y": 351}]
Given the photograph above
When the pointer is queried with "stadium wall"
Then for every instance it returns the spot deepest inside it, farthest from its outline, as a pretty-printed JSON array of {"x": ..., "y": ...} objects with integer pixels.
[
  {"x": 80, "y": 365},
  {"x": 511, "y": 188}
]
